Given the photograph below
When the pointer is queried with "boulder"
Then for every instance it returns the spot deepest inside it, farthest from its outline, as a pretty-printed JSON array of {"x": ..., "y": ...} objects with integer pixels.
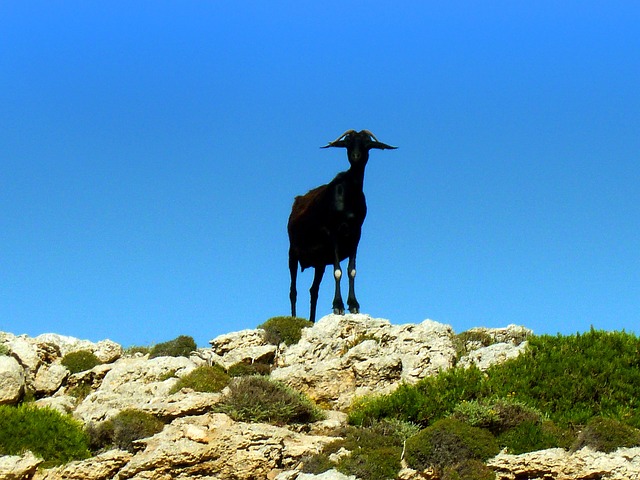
[
  {"x": 49, "y": 378},
  {"x": 12, "y": 380}
]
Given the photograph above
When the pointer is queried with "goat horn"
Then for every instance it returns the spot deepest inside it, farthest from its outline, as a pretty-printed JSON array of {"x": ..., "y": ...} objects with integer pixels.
[
  {"x": 371, "y": 135},
  {"x": 336, "y": 142}
]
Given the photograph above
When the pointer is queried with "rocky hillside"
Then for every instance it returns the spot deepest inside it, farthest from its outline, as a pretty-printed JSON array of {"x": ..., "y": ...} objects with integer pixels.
[{"x": 338, "y": 359}]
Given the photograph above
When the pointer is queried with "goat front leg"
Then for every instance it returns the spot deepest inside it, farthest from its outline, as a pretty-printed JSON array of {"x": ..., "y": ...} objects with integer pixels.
[
  {"x": 354, "y": 306},
  {"x": 338, "y": 304}
]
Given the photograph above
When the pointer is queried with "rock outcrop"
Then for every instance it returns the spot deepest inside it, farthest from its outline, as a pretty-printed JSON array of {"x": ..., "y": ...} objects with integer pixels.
[
  {"x": 338, "y": 359},
  {"x": 559, "y": 464},
  {"x": 342, "y": 357}
]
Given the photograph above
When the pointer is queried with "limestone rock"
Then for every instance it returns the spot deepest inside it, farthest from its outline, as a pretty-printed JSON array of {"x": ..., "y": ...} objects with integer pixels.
[
  {"x": 62, "y": 403},
  {"x": 328, "y": 475},
  {"x": 106, "y": 350},
  {"x": 213, "y": 444},
  {"x": 12, "y": 380},
  {"x": 244, "y": 346},
  {"x": 344, "y": 356},
  {"x": 559, "y": 464},
  {"x": 485, "y": 357},
  {"x": 101, "y": 467},
  {"x": 133, "y": 383},
  {"x": 26, "y": 353},
  {"x": 22, "y": 467},
  {"x": 49, "y": 378}
]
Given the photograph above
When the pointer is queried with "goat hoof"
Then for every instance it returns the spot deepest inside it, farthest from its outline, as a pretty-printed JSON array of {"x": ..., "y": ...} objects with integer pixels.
[
  {"x": 354, "y": 310},
  {"x": 338, "y": 311}
]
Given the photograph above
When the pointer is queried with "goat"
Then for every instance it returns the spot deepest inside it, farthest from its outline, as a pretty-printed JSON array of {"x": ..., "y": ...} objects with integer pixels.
[{"x": 326, "y": 223}]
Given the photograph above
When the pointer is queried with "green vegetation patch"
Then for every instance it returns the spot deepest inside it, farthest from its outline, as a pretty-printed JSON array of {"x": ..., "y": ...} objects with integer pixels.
[
  {"x": 375, "y": 451},
  {"x": 259, "y": 399},
  {"x": 54, "y": 437},
  {"x": 203, "y": 379},
  {"x": 430, "y": 399},
  {"x": 284, "y": 329},
  {"x": 80, "y": 361},
  {"x": 181, "y": 346}
]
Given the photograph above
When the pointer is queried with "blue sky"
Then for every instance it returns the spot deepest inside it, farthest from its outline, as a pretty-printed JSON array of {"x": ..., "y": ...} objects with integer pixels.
[{"x": 150, "y": 153}]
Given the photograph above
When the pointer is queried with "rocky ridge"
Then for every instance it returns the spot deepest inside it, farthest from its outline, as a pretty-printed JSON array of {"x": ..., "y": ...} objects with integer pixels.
[{"x": 337, "y": 360}]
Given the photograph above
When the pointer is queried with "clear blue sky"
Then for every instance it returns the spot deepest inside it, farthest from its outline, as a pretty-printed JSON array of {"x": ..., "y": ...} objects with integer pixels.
[{"x": 150, "y": 153}]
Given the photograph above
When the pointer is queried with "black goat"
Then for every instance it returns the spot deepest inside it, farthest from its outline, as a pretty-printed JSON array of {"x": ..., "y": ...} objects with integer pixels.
[{"x": 325, "y": 224}]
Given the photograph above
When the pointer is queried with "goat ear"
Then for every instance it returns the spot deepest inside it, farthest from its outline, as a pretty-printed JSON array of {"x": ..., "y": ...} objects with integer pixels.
[
  {"x": 336, "y": 143},
  {"x": 381, "y": 146}
]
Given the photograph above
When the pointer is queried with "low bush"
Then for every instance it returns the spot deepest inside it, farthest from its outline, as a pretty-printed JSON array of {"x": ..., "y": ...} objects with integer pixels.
[
  {"x": 447, "y": 443},
  {"x": 469, "y": 469},
  {"x": 54, "y": 437},
  {"x": 259, "y": 399},
  {"x": 181, "y": 346},
  {"x": 607, "y": 435},
  {"x": 203, "y": 379},
  {"x": 284, "y": 329},
  {"x": 4, "y": 350},
  {"x": 135, "y": 349},
  {"x": 242, "y": 369},
  {"x": 530, "y": 436},
  {"x": 496, "y": 415},
  {"x": 80, "y": 361},
  {"x": 123, "y": 430}
]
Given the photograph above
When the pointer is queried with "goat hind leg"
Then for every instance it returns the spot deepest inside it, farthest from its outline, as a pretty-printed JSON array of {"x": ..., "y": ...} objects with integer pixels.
[
  {"x": 315, "y": 287},
  {"x": 293, "y": 293}
]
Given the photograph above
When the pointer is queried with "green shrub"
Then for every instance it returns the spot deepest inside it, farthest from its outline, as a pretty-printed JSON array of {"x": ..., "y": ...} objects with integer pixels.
[
  {"x": 54, "y": 437},
  {"x": 259, "y": 399},
  {"x": 375, "y": 464},
  {"x": 203, "y": 379},
  {"x": 606, "y": 435},
  {"x": 80, "y": 361},
  {"x": 447, "y": 443},
  {"x": 242, "y": 369},
  {"x": 284, "y": 329},
  {"x": 123, "y": 430},
  {"x": 4, "y": 350},
  {"x": 181, "y": 346}
]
